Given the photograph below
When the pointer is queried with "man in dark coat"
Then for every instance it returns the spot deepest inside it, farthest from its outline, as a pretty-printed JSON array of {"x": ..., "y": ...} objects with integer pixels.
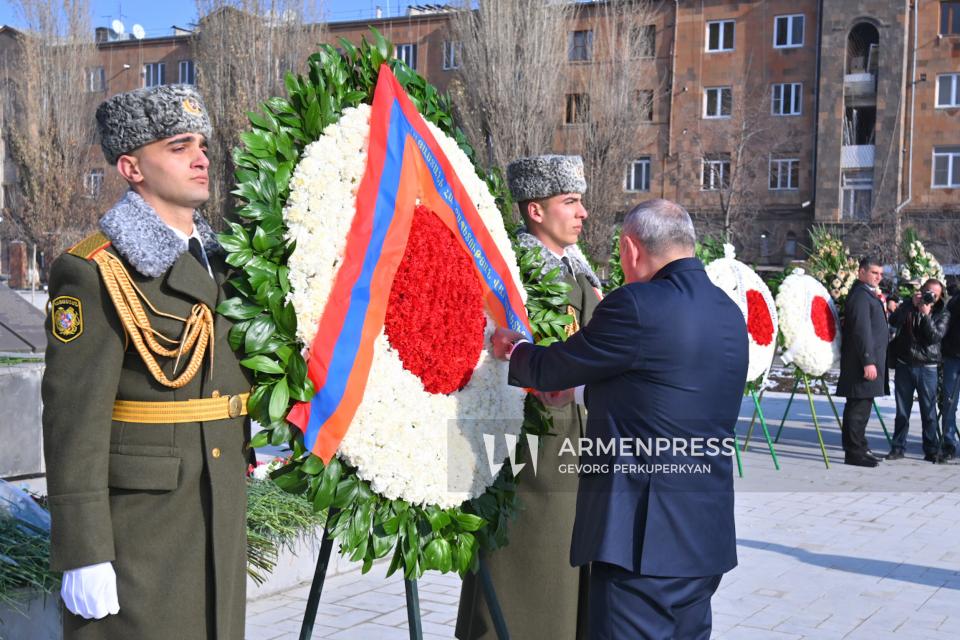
[
  {"x": 143, "y": 426},
  {"x": 548, "y": 190},
  {"x": 863, "y": 364},
  {"x": 663, "y": 359},
  {"x": 921, "y": 324}
]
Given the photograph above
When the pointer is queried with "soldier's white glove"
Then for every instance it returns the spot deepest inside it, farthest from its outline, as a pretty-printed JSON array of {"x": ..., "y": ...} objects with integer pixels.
[{"x": 91, "y": 592}]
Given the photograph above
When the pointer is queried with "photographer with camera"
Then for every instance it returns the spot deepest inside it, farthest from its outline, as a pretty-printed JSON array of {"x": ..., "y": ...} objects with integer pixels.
[
  {"x": 921, "y": 324},
  {"x": 950, "y": 350}
]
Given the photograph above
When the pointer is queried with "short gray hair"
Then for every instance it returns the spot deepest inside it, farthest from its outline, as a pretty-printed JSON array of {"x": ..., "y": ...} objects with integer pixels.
[{"x": 659, "y": 225}]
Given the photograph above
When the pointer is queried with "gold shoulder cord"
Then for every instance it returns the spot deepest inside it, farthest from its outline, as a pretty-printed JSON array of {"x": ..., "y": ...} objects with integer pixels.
[{"x": 197, "y": 331}]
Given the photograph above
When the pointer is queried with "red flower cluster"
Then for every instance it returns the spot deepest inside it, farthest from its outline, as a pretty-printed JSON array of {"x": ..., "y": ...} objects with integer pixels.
[
  {"x": 824, "y": 324},
  {"x": 759, "y": 322},
  {"x": 435, "y": 316}
]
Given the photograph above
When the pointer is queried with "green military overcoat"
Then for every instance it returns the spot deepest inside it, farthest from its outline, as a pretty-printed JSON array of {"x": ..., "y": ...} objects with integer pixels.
[
  {"x": 165, "y": 503},
  {"x": 539, "y": 592}
]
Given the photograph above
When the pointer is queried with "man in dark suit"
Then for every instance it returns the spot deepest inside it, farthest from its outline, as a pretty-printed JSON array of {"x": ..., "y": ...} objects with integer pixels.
[
  {"x": 664, "y": 360},
  {"x": 863, "y": 361}
]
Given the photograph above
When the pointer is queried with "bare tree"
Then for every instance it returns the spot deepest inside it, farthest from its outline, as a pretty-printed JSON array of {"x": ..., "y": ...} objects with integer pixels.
[
  {"x": 509, "y": 93},
  {"x": 48, "y": 109},
  {"x": 244, "y": 48},
  {"x": 616, "y": 84},
  {"x": 735, "y": 153}
]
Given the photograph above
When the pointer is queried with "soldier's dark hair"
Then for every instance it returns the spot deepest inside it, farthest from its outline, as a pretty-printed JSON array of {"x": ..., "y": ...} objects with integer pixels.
[{"x": 870, "y": 261}]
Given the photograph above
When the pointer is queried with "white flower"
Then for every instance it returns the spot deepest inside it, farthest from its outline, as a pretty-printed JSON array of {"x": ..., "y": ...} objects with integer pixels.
[{"x": 409, "y": 444}]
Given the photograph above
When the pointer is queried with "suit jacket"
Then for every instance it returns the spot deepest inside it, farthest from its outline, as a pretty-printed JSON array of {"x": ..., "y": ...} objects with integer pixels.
[
  {"x": 166, "y": 503},
  {"x": 663, "y": 359},
  {"x": 865, "y": 339}
]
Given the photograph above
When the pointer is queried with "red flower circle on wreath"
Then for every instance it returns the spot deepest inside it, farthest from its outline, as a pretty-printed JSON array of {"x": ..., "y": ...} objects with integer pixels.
[
  {"x": 824, "y": 325},
  {"x": 759, "y": 322},
  {"x": 436, "y": 289}
]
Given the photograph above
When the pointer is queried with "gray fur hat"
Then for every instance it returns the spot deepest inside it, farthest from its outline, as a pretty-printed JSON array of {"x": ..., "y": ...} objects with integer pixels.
[
  {"x": 127, "y": 121},
  {"x": 544, "y": 176}
]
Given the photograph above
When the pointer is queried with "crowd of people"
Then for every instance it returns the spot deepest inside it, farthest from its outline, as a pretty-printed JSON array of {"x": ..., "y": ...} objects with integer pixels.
[{"x": 918, "y": 339}]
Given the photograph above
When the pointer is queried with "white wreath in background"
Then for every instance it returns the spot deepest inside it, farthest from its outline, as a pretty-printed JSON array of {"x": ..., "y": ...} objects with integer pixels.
[{"x": 811, "y": 353}]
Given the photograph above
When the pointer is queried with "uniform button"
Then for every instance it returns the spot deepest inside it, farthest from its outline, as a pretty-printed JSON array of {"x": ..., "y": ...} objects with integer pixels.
[
  {"x": 215, "y": 452},
  {"x": 215, "y": 394}
]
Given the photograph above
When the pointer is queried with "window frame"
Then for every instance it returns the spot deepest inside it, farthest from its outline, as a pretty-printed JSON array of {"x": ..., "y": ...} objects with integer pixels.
[
  {"x": 452, "y": 53},
  {"x": 587, "y": 46},
  {"x": 406, "y": 46},
  {"x": 646, "y": 173},
  {"x": 645, "y": 103},
  {"x": 721, "y": 48},
  {"x": 779, "y": 163},
  {"x": 723, "y": 174},
  {"x": 154, "y": 68},
  {"x": 93, "y": 182},
  {"x": 192, "y": 71},
  {"x": 706, "y": 102},
  {"x": 576, "y": 104},
  {"x": 952, "y": 153},
  {"x": 796, "y": 99},
  {"x": 790, "y": 18},
  {"x": 956, "y": 91},
  {"x": 954, "y": 9},
  {"x": 101, "y": 76}
]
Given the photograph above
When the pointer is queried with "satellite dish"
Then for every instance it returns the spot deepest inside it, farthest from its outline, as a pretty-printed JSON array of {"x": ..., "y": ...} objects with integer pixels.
[
  {"x": 117, "y": 27},
  {"x": 138, "y": 32}
]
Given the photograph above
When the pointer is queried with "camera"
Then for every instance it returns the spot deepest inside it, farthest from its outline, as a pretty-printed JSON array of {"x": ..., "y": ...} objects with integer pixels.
[{"x": 928, "y": 297}]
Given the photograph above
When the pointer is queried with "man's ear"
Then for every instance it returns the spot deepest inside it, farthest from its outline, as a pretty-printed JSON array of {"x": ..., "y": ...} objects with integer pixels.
[
  {"x": 535, "y": 211},
  {"x": 129, "y": 168}
]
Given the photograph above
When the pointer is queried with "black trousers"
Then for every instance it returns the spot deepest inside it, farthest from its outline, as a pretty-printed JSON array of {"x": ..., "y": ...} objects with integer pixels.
[
  {"x": 628, "y": 606},
  {"x": 856, "y": 413}
]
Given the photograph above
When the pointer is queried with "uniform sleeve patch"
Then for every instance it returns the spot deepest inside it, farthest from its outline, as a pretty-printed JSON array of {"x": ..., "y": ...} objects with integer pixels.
[{"x": 67, "y": 320}]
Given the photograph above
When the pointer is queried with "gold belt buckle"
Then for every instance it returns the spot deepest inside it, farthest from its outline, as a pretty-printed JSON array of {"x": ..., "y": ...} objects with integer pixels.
[{"x": 234, "y": 406}]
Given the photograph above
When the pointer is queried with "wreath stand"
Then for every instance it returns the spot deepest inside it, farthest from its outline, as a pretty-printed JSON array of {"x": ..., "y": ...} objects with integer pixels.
[
  {"x": 410, "y": 586},
  {"x": 757, "y": 411}
]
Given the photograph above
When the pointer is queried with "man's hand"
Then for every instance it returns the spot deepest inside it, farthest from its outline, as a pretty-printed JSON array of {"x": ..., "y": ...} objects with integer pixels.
[
  {"x": 925, "y": 309},
  {"x": 91, "y": 592},
  {"x": 555, "y": 398},
  {"x": 870, "y": 372},
  {"x": 503, "y": 341}
]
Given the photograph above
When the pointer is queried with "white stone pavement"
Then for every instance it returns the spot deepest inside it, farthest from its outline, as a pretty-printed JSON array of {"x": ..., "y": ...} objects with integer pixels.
[{"x": 839, "y": 553}]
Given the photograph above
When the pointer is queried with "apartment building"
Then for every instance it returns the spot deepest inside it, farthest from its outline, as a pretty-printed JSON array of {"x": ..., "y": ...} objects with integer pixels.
[{"x": 773, "y": 115}]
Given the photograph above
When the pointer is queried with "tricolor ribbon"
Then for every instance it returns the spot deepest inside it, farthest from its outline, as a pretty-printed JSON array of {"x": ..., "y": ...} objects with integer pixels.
[{"x": 404, "y": 164}]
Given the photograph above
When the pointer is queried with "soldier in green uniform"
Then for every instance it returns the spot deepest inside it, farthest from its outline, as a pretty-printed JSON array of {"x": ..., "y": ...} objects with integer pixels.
[
  {"x": 540, "y": 594},
  {"x": 144, "y": 400}
]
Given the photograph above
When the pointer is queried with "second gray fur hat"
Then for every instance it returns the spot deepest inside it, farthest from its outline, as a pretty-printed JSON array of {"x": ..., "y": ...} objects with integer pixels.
[
  {"x": 127, "y": 121},
  {"x": 545, "y": 176}
]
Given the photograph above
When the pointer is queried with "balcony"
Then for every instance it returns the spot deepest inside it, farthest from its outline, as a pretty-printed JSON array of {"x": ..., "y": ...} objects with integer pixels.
[
  {"x": 860, "y": 85},
  {"x": 856, "y": 156}
]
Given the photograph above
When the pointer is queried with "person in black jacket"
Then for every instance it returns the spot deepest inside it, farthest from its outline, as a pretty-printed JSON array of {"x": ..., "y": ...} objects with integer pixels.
[
  {"x": 921, "y": 324},
  {"x": 863, "y": 355},
  {"x": 950, "y": 350}
]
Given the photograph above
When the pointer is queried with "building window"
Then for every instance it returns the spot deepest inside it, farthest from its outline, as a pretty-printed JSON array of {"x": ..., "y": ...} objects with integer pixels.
[
  {"x": 186, "y": 72},
  {"x": 788, "y": 31},
  {"x": 790, "y": 246},
  {"x": 645, "y": 104},
  {"x": 784, "y": 174},
  {"x": 856, "y": 195},
  {"x": 580, "y": 46},
  {"x": 407, "y": 53},
  {"x": 717, "y": 102},
  {"x": 154, "y": 74},
  {"x": 716, "y": 173},
  {"x": 93, "y": 183},
  {"x": 452, "y": 52},
  {"x": 578, "y": 108},
  {"x": 785, "y": 99},
  {"x": 645, "y": 41},
  {"x": 638, "y": 175},
  {"x": 946, "y": 167},
  {"x": 950, "y": 18},
  {"x": 96, "y": 79},
  {"x": 720, "y": 35},
  {"x": 948, "y": 90}
]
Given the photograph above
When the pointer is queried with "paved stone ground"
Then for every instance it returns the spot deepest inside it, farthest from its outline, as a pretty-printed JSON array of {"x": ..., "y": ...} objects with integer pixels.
[{"x": 838, "y": 553}]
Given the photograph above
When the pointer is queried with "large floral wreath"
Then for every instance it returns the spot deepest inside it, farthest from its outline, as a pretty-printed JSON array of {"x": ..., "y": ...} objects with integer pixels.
[
  {"x": 809, "y": 323},
  {"x": 753, "y": 297},
  {"x": 411, "y": 475}
]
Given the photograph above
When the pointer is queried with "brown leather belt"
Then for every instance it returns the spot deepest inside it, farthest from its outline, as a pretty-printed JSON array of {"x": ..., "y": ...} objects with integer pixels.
[{"x": 201, "y": 410}]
